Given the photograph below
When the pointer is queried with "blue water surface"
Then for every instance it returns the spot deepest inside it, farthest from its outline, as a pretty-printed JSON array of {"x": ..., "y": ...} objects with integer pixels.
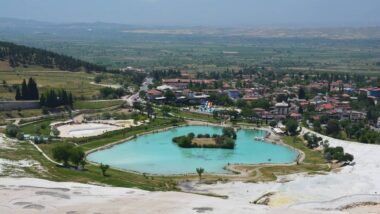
[{"x": 156, "y": 153}]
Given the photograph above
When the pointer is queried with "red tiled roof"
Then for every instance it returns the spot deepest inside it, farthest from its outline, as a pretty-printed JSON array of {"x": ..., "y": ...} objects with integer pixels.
[{"x": 154, "y": 92}]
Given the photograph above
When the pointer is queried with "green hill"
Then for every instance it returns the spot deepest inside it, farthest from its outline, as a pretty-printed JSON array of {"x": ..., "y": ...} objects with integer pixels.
[{"x": 22, "y": 56}]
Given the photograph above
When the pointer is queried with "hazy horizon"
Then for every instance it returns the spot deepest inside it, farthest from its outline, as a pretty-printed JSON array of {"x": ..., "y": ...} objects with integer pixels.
[{"x": 213, "y": 13}]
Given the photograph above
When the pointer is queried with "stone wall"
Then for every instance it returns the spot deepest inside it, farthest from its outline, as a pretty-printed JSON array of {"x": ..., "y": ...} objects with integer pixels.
[{"x": 15, "y": 105}]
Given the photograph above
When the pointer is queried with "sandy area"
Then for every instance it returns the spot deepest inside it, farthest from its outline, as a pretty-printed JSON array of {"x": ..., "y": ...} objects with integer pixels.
[
  {"x": 85, "y": 129},
  {"x": 204, "y": 141}
]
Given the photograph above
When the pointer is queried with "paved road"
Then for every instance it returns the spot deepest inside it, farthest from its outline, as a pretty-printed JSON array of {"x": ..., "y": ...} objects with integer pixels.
[{"x": 135, "y": 97}]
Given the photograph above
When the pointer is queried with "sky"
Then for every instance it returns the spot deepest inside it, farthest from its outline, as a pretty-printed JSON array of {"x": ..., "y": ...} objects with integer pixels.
[{"x": 218, "y": 13}]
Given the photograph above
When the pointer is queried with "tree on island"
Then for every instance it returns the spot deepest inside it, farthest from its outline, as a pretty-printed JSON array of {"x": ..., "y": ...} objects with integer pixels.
[
  {"x": 229, "y": 132},
  {"x": 224, "y": 141},
  {"x": 200, "y": 171}
]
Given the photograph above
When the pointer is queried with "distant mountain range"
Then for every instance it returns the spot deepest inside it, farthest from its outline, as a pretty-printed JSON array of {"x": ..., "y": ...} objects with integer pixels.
[{"x": 9, "y": 27}]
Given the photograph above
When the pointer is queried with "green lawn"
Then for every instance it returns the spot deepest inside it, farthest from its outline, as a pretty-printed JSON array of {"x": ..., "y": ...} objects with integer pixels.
[
  {"x": 312, "y": 156},
  {"x": 42, "y": 126},
  {"x": 89, "y": 104}
]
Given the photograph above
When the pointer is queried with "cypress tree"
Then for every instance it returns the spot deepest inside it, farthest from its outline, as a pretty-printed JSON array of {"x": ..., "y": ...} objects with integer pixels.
[
  {"x": 71, "y": 102},
  {"x": 18, "y": 94},
  {"x": 24, "y": 90},
  {"x": 42, "y": 100},
  {"x": 32, "y": 89}
]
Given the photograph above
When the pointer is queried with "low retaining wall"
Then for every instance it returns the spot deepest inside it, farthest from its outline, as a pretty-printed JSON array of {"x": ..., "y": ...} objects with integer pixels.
[{"x": 15, "y": 105}]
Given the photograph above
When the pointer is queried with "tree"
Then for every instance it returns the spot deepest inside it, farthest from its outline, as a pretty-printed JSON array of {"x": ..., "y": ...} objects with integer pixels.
[
  {"x": 12, "y": 130},
  {"x": 70, "y": 100},
  {"x": 24, "y": 91},
  {"x": 300, "y": 110},
  {"x": 138, "y": 106},
  {"x": 292, "y": 127},
  {"x": 32, "y": 90},
  {"x": 104, "y": 168},
  {"x": 98, "y": 78},
  {"x": 169, "y": 95},
  {"x": 200, "y": 171},
  {"x": 77, "y": 156},
  {"x": 301, "y": 93},
  {"x": 18, "y": 94},
  {"x": 149, "y": 109},
  {"x": 273, "y": 123},
  {"x": 332, "y": 127},
  {"x": 248, "y": 113},
  {"x": 142, "y": 94},
  {"x": 55, "y": 132},
  {"x": 317, "y": 126},
  {"x": 229, "y": 132},
  {"x": 20, "y": 136},
  {"x": 62, "y": 152}
]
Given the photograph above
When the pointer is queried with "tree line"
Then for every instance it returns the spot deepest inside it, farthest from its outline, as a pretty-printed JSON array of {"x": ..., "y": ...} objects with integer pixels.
[
  {"x": 55, "y": 98},
  {"x": 28, "y": 91},
  {"x": 19, "y": 55}
]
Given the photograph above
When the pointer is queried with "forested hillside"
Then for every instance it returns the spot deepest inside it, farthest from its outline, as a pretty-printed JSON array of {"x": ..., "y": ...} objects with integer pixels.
[{"x": 19, "y": 55}]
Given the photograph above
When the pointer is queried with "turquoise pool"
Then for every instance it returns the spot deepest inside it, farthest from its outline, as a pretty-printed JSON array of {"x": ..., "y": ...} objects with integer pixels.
[{"x": 156, "y": 154}]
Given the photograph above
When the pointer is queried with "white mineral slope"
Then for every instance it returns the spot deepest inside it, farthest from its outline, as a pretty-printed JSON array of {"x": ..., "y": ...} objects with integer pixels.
[
  {"x": 352, "y": 184},
  {"x": 29, "y": 195}
]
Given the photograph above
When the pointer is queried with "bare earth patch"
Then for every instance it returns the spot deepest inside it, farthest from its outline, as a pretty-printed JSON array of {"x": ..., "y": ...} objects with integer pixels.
[{"x": 204, "y": 141}]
